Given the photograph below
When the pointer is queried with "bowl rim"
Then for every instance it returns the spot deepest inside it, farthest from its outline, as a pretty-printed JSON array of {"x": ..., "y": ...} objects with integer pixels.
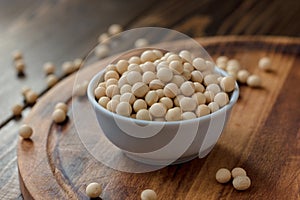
[{"x": 96, "y": 78}]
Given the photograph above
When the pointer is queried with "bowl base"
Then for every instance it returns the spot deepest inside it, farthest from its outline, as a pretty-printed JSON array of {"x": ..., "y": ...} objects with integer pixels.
[{"x": 160, "y": 162}]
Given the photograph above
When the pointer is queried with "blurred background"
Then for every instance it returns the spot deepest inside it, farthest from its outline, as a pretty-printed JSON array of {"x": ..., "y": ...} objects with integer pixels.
[{"x": 62, "y": 30}]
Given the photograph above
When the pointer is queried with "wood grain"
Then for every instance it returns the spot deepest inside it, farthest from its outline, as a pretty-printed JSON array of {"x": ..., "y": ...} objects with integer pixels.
[
  {"x": 63, "y": 30},
  {"x": 9, "y": 183},
  {"x": 55, "y": 31},
  {"x": 42, "y": 30},
  {"x": 235, "y": 17},
  {"x": 261, "y": 136}
]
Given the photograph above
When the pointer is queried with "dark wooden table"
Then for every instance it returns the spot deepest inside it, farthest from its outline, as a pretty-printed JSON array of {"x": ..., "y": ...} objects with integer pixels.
[{"x": 59, "y": 31}]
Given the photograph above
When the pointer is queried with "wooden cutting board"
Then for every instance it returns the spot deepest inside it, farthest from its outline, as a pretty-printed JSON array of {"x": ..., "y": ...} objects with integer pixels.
[{"x": 262, "y": 136}]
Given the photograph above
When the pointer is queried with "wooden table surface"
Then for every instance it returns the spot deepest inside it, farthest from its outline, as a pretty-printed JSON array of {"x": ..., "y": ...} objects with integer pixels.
[{"x": 59, "y": 31}]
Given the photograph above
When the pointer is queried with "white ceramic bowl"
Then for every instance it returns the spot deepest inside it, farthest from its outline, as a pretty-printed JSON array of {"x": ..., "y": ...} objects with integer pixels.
[{"x": 161, "y": 143}]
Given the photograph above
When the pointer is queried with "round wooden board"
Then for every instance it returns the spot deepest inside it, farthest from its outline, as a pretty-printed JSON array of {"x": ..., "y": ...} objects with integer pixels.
[{"x": 55, "y": 164}]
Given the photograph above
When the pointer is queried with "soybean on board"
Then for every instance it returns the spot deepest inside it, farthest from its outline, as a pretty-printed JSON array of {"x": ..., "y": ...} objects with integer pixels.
[{"x": 262, "y": 136}]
